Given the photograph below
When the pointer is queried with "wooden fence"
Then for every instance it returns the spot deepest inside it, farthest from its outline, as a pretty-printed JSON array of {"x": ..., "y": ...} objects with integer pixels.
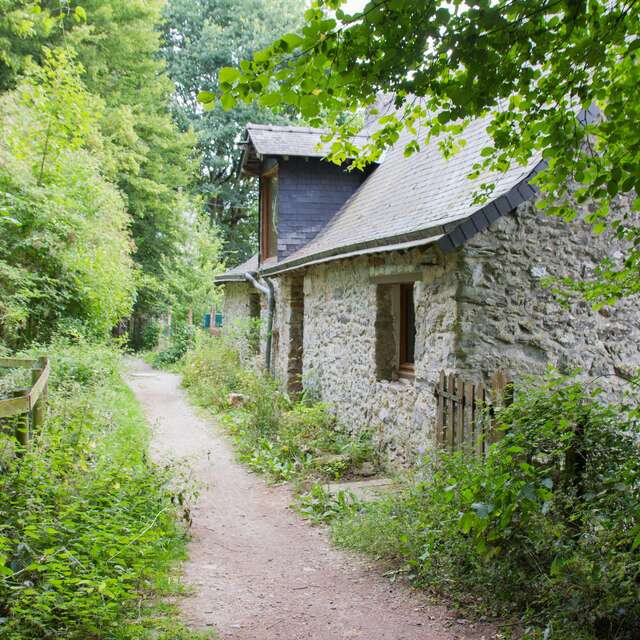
[
  {"x": 28, "y": 403},
  {"x": 466, "y": 412}
]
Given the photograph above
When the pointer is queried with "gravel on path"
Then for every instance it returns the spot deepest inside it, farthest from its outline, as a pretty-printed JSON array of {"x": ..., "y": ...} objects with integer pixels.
[{"x": 256, "y": 570}]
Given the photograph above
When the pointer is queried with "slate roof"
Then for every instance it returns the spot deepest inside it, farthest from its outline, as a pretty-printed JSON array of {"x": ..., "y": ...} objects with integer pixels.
[
  {"x": 274, "y": 140},
  {"x": 237, "y": 273},
  {"x": 406, "y": 201},
  {"x": 420, "y": 197}
]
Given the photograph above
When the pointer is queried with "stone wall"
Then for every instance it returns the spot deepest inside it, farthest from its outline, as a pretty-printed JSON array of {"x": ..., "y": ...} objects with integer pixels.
[
  {"x": 242, "y": 304},
  {"x": 340, "y": 301},
  {"x": 479, "y": 309},
  {"x": 288, "y": 330},
  {"x": 509, "y": 319}
]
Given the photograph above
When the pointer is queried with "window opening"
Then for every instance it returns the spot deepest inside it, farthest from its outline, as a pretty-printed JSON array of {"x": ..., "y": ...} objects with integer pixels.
[{"x": 269, "y": 214}]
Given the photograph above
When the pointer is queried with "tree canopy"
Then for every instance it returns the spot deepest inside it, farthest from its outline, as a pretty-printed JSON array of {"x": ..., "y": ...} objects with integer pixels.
[
  {"x": 97, "y": 217},
  {"x": 532, "y": 64},
  {"x": 200, "y": 37}
]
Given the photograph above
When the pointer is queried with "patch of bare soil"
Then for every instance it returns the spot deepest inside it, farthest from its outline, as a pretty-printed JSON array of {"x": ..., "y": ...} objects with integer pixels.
[{"x": 256, "y": 569}]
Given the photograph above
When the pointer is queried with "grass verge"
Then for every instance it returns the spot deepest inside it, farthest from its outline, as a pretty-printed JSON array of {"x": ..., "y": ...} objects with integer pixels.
[
  {"x": 90, "y": 529},
  {"x": 292, "y": 440}
]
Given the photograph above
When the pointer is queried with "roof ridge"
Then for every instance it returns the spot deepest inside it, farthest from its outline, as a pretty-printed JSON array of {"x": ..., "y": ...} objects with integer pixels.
[
  {"x": 285, "y": 127},
  {"x": 296, "y": 129}
]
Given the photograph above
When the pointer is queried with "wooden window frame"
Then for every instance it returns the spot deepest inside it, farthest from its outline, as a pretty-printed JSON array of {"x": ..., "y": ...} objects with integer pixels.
[
  {"x": 405, "y": 369},
  {"x": 266, "y": 215}
]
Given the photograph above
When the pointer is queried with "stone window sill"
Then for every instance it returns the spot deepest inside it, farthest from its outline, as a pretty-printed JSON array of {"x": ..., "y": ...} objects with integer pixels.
[{"x": 401, "y": 382}]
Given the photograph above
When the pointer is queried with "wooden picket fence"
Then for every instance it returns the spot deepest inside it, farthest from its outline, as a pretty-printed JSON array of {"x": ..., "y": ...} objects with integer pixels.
[
  {"x": 26, "y": 404},
  {"x": 466, "y": 412}
]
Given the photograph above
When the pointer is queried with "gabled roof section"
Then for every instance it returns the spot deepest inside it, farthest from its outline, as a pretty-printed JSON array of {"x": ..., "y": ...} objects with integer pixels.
[
  {"x": 419, "y": 199},
  {"x": 237, "y": 273},
  {"x": 264, "y": 140}
]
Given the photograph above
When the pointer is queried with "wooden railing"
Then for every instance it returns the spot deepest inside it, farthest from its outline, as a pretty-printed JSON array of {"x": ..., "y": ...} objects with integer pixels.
[
  {"x": 465, "y": 419},
  {"x": 29, "y": 402}
]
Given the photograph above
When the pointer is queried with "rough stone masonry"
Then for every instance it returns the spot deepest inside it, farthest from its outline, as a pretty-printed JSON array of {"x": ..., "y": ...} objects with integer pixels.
[{"x": 481, "y": 308}]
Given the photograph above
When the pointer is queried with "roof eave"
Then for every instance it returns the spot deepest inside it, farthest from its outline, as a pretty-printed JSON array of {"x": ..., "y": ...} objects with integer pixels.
[
  {"x": 222, "y": 279},
  {"x": 384, "y": 245}
]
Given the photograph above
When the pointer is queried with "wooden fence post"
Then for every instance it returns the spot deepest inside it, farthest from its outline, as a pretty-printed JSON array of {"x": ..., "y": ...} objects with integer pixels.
[
  {"x": 501, "y": 396},
  {"x": 26, "y": 407},
  {"x": 21, "y": 422},
  {"x": 451, "y": 385},
  {"x": 442, "y": 381},
  {"x": 38, "y": 411},
  {"x": 480, "y": 431}
]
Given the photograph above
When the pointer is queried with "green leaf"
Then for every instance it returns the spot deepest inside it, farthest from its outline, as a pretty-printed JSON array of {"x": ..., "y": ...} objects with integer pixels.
[
  {"x": 206, "y": 96},
  {"x": 228, "y": 101},
  {"x": 482, "y": 509},
  {"x": 228, "y": 75},
  {"x": 466, "y": 522},
  {"x": 309, "y": 106},
  {"x": 293, "y": 40},
  {"x": 270, "y": 99},
  {"x": 80, "y": 14}
]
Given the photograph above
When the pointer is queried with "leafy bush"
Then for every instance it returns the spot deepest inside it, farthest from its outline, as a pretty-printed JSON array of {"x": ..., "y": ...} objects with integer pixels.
[
  {"x": 150, "y": 335},
  {"x": 273, "y": 434},
  {"x": 65, "y": 245},
  {"x": 89, "y": 527},
  {"x": 547, "y": 527},
  {"x": 211, "y": 371},
  {"x": 320, "y": 507},
  {"x": 181, "y": 341}
]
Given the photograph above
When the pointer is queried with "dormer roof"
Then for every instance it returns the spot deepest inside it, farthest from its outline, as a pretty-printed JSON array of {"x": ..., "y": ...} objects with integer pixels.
[
  {"x": 416, "y": 200},
  {"x": 267, "y": 140}
]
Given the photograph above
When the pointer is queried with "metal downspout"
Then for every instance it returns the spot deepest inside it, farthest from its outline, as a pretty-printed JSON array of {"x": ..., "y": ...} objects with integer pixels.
[{"x": 250, "y": 276}]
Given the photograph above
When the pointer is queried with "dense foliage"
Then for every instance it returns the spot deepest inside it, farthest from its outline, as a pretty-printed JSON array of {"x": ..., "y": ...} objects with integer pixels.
[
  {"x": 96, "y": 217},
  {"x": 547, "y": 527},
  {"x": 64, "y": 242},
  {"x": 532, "y": 64},
  {"x": 180, "y": 342},
  {"x": 284, "y": 438},
  {"x": 89, "y": 528},
  {"x": 199, "y": 38}
]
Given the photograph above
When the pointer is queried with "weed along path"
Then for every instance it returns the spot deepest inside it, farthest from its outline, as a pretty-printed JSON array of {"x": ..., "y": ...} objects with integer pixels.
[{"x": 256, "y": 570}]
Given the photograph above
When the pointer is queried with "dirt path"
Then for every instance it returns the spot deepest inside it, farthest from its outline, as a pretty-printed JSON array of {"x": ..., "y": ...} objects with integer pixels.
[{"x": 259, "y": 572}]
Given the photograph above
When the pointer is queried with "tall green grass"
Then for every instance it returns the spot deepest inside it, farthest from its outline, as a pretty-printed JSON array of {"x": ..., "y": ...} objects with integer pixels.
[
  {"x": 90, "y": 529},
  {"x": 283, "y": 437}
]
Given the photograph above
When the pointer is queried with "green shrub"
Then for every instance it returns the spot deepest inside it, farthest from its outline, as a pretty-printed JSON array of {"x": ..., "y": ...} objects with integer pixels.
[
  {"x": 548, "y": 527},
  {"x": 89, "y": 528},
  {"x": 320, "y": 507},
  {"x": 181, "y": 341},
  {"x": 273, "y": 434},
  {"x": 211, "y": 371},
  {"x": 150, "y": 335}
]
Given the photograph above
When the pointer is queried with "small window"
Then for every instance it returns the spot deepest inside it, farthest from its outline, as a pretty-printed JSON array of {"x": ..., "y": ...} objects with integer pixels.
[
  {"x": 407, "y": 330},
  {"x": 269, "y": 214},
  {"x": 395, "y": 331}
]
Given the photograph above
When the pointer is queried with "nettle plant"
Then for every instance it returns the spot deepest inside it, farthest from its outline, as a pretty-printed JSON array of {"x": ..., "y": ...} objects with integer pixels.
[
  {"x": 558, "y": 502},
  {"x": 534, "y": 65}
]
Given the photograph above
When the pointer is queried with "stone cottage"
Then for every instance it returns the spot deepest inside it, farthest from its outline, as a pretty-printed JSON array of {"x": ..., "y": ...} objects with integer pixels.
[{"x": 383, "y": 278}]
